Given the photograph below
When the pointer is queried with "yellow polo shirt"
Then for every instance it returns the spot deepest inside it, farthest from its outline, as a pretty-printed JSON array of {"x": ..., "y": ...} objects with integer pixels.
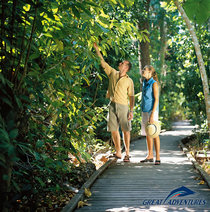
[{"x": 119, "y": 88}]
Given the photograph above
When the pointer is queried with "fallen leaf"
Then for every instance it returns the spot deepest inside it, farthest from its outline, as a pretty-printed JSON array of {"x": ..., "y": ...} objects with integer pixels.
[
  {"x": 87, "y": 192},
  {"x": 82, "y": 204},
  {"x": 201, "y": 182},
  {"x": 104, "y": 159}
]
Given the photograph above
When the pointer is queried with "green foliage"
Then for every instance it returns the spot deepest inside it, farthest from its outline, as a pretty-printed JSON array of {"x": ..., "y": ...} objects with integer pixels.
[
  {"x": 136, "y": 122},
  {"x": 181, "y": 87},
  {"x": 198, "y": 11},
  {"x": 188, "y": 74},
  {"x": 203, "y": 136},
  {"x": 200, "y": 142}
]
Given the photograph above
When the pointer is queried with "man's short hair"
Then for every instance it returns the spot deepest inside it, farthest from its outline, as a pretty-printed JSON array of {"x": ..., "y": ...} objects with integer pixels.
[{"x": 129, "y": 65}]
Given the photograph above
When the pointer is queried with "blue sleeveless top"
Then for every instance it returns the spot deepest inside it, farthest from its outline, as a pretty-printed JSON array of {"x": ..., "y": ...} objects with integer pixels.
[{"x": 148, "y": 98}]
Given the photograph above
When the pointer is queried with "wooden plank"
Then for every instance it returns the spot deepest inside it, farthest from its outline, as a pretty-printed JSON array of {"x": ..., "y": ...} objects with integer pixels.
[
  {"x": 138, "y": 197},
  {"x": 143, "y": 188},
  {"x": 118, "y": 181},
  {"x": 134, "y": 206},
  {"x": 137, "y": 209}
]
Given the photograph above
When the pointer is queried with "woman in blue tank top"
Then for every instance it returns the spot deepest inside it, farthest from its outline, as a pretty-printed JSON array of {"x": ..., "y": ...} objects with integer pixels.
[{"x": 149, "y": 106}]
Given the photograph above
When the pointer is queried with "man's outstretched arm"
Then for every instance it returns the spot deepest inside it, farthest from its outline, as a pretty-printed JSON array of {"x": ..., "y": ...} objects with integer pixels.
[
  {"x": 98, "y": 51},
  {"x": 105, "y": 66}
]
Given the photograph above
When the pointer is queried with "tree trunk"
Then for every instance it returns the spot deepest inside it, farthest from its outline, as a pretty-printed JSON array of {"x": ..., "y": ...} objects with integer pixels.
[
  {"x": 163, "y": 46},
  {"x": 144, "y": 57},
  {"x": 199, "y": 58},
  {"x": 139, "y": 58}
]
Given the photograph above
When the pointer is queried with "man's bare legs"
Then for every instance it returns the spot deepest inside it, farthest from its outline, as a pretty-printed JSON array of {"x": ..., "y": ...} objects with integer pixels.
[
  {"x": 117, "y": 143},
  {"x": 127, "y": 142},
  {"x": 116, "y": 140}
]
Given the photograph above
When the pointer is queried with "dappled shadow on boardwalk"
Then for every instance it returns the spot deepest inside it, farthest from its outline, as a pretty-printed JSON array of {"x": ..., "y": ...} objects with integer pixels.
[{"x": 144, "y": 187}]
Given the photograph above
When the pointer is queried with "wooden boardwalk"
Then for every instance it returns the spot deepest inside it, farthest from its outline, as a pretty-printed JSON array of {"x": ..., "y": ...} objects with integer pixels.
[{"x": 144, "y": 187}]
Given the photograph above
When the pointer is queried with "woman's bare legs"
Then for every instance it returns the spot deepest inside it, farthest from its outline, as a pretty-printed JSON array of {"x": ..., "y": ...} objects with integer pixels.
[
  {"x": 149, "y": 147},
  {"x": 157, "y": 147}
]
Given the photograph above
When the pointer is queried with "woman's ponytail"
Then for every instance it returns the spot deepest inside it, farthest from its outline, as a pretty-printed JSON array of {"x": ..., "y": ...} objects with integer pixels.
[
  {"x": 154, "y": 73},
  {"x": 155, "y": 76}
]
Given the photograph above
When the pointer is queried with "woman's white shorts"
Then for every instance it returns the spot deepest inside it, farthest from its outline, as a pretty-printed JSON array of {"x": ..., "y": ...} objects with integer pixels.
[{"x": 145, "y": 119}]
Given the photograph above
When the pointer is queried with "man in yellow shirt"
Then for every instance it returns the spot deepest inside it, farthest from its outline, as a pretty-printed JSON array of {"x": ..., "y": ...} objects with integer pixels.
[{"x": 121, "y": 94}]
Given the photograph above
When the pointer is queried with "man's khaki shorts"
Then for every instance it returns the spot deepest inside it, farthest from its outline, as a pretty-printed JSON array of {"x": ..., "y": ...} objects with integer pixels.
[{"x": 118, "y": 116}]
